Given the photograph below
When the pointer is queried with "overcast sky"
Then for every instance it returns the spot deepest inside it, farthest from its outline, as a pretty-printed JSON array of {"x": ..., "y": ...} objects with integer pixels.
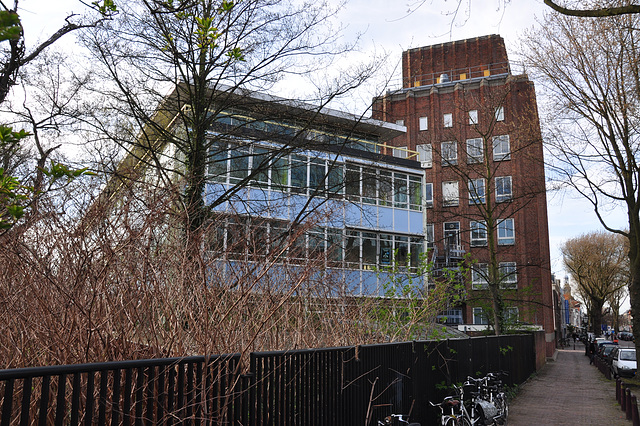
[{"x": 387, "y": 25}]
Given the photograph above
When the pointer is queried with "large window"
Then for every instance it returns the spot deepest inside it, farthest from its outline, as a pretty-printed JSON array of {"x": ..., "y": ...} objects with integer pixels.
[
  {"x": 506, "y": 232},
  {"x": 477, "y": 191},
  {"x": 500, "y": 113},
  {"x": 429, "y": 235},
  {"x": 501, "y": 148},
  {"x": 367, "y": 250},
  {"x": 447, "y": 120},
  {"x": 473, "y": 116},
  {"x": 511, "y": 314},
  {"x": 479, "y": 276},
  {"x": 475, "y": 150},
  {"x": 508, "y": 275},
  {"x": 479, "y": 317},
  {"x": 450, "y": 194},
  {"x": 449, "y": 153},
  {"x": 478, "y": 233},
  {"x": 504, "y": 190},
  {"x": 383, "y": 187}
]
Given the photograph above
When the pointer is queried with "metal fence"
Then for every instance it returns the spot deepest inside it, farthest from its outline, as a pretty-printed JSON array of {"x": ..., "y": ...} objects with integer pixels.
[{"x": 331, "y": 386}]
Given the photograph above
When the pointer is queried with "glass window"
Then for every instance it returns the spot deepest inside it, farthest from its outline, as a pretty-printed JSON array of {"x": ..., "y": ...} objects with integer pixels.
[
  {"x": 416, "y": 249},
  {"x": 428, "y": 195},
  {"x": 473, "y": 116},
  {"x": 450, "y": 194},
  {"x": 280, "y": 173},
  {"x": 449, "y": 153},
  {"x": 415, "y": 193},
  {"x": 400, "y": 152},
  {"x": 400, "y": 122},
  {"x": 385, "y": 188},
  {"x": 317, "y": 242},
  {"x": 260, "y": 166},
  {"x": 478, "y": 233},
  {"x": 479, "y": 317},
  {"x": 428, "y": 235},
  {"x": 238, "y": 163},
  {"x": 386, "y": 250},
  {"x": 352, "y": 249},
  {"x": 500, "y": 113},
  {"x": 298, "y": 174},
  {"x": 352, "y": 182},
  {"x": 424, "y": 123},
  {"x": 503, "y": 189},
  {"x": 511, "y": 314},
  {"x": 506, "y": 232},
  {"x": 334, "y": 247},
  {"x": 480, "y": 276},
  {"x": 476, "y": 191},
  {"x": 475, "y": 152},
  {"x": 508, "y": 275},
  {"x": 401, "y": 250},
  {"x": 452, "y": 235},
  {"x": 369, "y": 184},
  {"x": 425, "y": 155},
  {"x": 501, "y": 148},
  {"x": 335, "y": 178},
  {"x": 448, "y": 120},
  {"x": 400, "y": 190},
  {"x": 317, "y": 175},
  {"x": 218, "y": 162}
]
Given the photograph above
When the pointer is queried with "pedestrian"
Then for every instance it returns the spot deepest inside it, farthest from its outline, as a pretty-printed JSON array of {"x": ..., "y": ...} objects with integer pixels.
[{"x": 592, "y": 351}]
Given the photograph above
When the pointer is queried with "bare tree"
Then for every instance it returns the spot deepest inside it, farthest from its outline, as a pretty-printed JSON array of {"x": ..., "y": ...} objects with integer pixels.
[
  {"x": 597, "y": 263},
  {"x": 590, "y": 71}
]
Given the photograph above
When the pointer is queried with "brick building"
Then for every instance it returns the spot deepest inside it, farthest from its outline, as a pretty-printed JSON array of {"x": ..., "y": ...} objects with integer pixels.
[{"x": 476, "y": 128}]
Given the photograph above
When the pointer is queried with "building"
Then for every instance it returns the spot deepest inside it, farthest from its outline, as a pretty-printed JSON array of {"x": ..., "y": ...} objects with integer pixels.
[{"x": 476, "y": 129}]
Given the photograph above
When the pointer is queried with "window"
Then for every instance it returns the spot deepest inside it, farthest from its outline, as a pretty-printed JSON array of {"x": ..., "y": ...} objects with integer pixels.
[
  {"x": 425, "y": 155},
  {"x": 450, "y": 194},
  {"x": 452, "y": 236},
  {"x": 400, "y": 152},
  {"x": 400, "y": 122},
  {"x": 473, "y": 116},
  {"x": 428, "y": 235},
  {"x": 508, "y": 275},
  {"x": 503, "y": 189},
  {"x": 479, "y": 276},
  {"x": 475, "y": 150},
  {"x": 448, "y": 120},
  {"x": 506, "y": 232},
  {"x": 400, "y": 190},
  {"x": 511, "y": 314},
  {"x": 478, "y": 233},
  {"x": 479, "y": 317},
  {"x": 500, "y": 113},
  {"x": 501, "y": 148},
  {"x": 423, "y": 123},
  {"x": 476, "y": 191},
  {"x": 449, "y": 153},
  {"x": 428, "y": 195},
  {"x": 415, "y": 193}
]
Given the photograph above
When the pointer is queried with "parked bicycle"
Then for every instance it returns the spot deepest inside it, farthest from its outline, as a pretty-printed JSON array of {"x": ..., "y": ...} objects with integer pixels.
[
  {"x": 483, "y": 403},
  {"x": 396, "y": 419}
]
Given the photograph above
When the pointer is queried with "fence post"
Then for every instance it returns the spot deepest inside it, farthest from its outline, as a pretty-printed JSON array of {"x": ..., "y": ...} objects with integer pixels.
[
  {"x": 623, "y": 400},
  {"x": 634, "y": 410},
  {"x": 628, "y": 403}
]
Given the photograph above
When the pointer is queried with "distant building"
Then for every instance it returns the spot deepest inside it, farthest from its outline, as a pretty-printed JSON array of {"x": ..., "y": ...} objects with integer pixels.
[{"x": 475, "y": 126}]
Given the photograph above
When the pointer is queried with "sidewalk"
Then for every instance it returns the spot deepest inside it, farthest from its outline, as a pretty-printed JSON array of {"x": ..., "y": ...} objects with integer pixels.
[{"x": 567, "y": 391}]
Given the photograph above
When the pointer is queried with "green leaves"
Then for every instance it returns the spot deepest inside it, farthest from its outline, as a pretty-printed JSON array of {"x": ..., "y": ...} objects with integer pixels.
[
  {"x": 10, "y": 28},
  {"x": 106, "y": 7}
]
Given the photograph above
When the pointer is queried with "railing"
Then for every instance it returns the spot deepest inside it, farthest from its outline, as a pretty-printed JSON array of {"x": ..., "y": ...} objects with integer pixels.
[
  {"x": 459, "y": 74},
  {"x": 316, "y": 386}
]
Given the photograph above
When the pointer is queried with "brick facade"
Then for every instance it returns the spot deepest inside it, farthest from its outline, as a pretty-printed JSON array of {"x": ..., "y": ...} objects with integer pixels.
[{"x": 459, "y": 107}]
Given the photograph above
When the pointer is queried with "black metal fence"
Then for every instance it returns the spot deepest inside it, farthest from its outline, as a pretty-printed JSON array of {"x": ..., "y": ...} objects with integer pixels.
[{"x": 332, "y": 386}]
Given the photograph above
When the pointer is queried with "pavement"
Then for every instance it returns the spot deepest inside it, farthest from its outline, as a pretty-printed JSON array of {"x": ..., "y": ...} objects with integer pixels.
[{"x": 567, "y": 391}]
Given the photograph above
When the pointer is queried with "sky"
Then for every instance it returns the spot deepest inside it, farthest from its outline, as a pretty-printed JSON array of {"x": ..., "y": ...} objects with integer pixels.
[{"x": 396, "y": 25}]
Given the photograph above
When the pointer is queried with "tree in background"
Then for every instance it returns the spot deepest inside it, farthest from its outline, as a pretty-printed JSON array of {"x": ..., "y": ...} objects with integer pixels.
[{"x": 598, "y": 264}]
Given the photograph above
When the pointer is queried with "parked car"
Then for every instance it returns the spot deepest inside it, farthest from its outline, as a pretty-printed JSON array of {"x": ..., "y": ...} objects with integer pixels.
[
  {"x": 623, "y": 362},
  {"x": 605, "y": 352}
]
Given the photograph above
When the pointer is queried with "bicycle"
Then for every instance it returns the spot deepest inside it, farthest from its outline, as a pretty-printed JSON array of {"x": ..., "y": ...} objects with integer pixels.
[
  {"x": 396, "y": 419},
  {"x": 453, "y": 412}
]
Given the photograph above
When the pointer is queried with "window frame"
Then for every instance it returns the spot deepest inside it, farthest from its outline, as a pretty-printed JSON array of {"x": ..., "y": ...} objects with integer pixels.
[
  {"x": 477, "y": 191},
  {"x": 425, "y": 155},
  {"x": 478, "y": 156},
  {"x": 473, "y": 116},
  {"x": 479, "y": 316},
  {"x": 480, "y": 239},
  {"x": 501, "y": 146},
  {"x": 447, "y": 120},
  {"x": 508, "y": 275},
  {"x": 423, "y": 123},
  {"x": 449, "y": 153},
  {"x": 499, "y": 113},
  {"x": 479, "y": 276},
  {"x": 453, "y": 188},
  {"x": 428, "y": 190},
  {"x": 501, "y": 194},
  {"x": 506, "y": 238}
]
